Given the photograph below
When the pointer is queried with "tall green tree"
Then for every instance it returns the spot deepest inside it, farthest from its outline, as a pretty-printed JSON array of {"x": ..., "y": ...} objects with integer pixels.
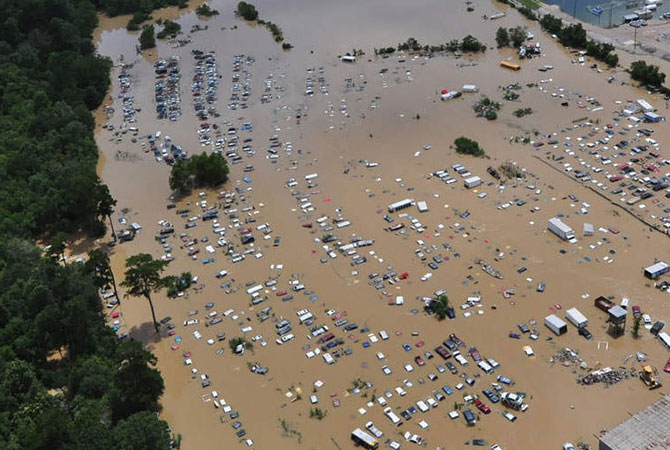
[
  {"x": 137, "y": 384},
  {"x": 141, "y": 431},
  {"x": 143, "y": 277},
  {"x": 502, "y": 37},
  {"x": 99, "y": 265},
  {"x": 440, "y": 306},
  {"x": 147, "y": 37},
  {"x": 106, "y": 204}
]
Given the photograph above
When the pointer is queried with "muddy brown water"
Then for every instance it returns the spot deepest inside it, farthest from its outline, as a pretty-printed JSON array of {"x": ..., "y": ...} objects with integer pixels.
[{"x": 560, "y": 410}]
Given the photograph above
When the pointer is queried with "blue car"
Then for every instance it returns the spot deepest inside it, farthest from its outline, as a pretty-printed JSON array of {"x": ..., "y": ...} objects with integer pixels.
[
  {"x": 447, "y": 390},
  {"x": 491, "y": 396},
  {"x": 407, "y": 347}
]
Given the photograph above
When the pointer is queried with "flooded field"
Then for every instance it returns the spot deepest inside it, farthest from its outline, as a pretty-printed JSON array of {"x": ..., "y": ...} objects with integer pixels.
[{"x": 318, "y": 149}]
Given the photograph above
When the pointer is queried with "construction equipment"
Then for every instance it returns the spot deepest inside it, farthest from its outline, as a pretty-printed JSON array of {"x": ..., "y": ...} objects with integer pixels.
[{"x": 648, "y": 375}]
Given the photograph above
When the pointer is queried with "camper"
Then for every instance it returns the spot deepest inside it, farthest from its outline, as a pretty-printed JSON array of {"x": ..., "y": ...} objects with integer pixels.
[
  {"x": 470, "y": 88},
  {"x": 363, "y": 439},
  {"x": 555, "y": 324},
  {"x": 348, "y": 59},
  {"x": 472, "y": 182},
  {"x": 509, "y": 65},
  {"x": 656, "y": 270},
  {"x": 645, "y": 105},
  {"x": 253, "y": 290},
  {"x": 560, "y": 229},
  {"x": 311, "y": 176},
  {"x": 402, "y": 204},
  {"x": 577, "y": 318}
]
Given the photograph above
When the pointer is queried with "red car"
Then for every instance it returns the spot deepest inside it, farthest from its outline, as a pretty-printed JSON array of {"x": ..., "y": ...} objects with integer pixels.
[
  {"x": 419, "y": 344},
  {"x": 482, "y": 407},
  {"x": 637, "y": 312},
  {"x": 420, "y": 362},
  {"x": 667, "y": 366}
]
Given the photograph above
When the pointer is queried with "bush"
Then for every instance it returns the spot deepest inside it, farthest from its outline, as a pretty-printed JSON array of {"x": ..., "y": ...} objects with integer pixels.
[
  {"x": 170, "y": 30},
  {"x": 247, "y": 11},
  {"x": 205, "y": 10},
  {"x": 465, "y": 146},
  {"x": 487, "y": 108},
  {"x": 471, "y": 44}
]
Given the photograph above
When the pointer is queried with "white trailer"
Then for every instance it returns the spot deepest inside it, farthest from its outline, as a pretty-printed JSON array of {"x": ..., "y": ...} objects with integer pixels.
[
  {"x": 472, "y": 182},
  {"x": 576, "y": 317},
  {"x": 422, "y": 206},
  {"x": 555, "y": 324},
  {"x": 402, "y": 204},
  {"x": 560, "y": 229},
  {"x": 645, "y": 105}
]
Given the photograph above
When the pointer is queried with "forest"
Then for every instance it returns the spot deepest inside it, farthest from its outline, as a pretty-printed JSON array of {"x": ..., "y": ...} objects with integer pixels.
[{"x": 66, "y": 381}]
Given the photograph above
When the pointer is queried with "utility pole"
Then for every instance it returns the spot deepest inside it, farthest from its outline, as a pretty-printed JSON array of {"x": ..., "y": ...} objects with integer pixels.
[{"x": 574, "y": 9}]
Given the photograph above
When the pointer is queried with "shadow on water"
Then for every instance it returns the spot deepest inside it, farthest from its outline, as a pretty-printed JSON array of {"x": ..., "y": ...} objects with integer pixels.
[{"x": 146, "y": 333}]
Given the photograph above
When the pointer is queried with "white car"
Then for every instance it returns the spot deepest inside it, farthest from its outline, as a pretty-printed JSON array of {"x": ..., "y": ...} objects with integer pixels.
[
  {"x": 386, "y": 370},
  {"x": 400, "y": 391},
  {"x": 409, "y": 368},
  {"x": 427, "y": 277}
]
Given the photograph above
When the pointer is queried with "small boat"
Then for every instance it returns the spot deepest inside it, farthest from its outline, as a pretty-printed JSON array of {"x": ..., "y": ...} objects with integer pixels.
[{"x": 597, "y": 11}]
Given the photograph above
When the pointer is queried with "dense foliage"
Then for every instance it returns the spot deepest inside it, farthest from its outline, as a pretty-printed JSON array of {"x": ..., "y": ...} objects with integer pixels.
[
  {"x": 502, "y": 37},
  {"x": 147, "y": 37},
  {"x": 170, "y": 30},
  {"x": 247, "y": 11},
  {"x": 66, "y": 381},
  {"x": 468, "y": 44},
  {"x": 487, "y": 108},
  {"x": 465, "y": 146},
  {"x": 647, "y": 74},
  {"x": 205, "y": 10},
  {"x": 201, "y": 170}
]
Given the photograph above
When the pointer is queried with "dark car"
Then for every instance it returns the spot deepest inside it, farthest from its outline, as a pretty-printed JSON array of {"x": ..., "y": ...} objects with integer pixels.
[
  {"x": 452, "y": 367},
  {"x": 469, "y": 418},
  {"x": 493, "y": 398},
  {"x": 523, "y": 328},
  {"x": 586, "y": 333},
  {"x": 657, "y": 327}
]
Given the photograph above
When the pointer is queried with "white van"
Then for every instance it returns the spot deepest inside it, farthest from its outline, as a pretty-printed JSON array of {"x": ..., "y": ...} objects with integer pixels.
[
  {"x": 328, "y": 359},
  {"x": 422, "y": 406},
  {"x": 392, "y": 416},
  {"x": 384, "y": 335}
]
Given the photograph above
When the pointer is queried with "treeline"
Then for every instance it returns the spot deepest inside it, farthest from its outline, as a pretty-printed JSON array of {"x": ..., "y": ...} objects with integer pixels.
[
  {"x": 469, "y": 44},
  {"x": 574, "y": 36},
  {"x": 67, "y": 381}
]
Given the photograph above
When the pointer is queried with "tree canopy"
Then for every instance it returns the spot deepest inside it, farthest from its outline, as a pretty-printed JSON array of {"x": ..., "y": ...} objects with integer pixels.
[
  {"x": 60, "y": 365},
  {"x": 201, "y": 170}
]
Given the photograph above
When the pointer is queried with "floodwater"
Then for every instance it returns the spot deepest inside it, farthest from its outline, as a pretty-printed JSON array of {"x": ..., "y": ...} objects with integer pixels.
[{"x": 386, "y": 113}]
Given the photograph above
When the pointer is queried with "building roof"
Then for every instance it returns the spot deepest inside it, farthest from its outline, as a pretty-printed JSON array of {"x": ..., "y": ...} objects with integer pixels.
[
  {"x": 617, "y": 312},
  {"x": 645, "y": 430}
]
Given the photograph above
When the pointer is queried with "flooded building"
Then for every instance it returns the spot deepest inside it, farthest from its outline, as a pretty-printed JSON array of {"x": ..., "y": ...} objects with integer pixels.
[{"x": 644, "y": 430}]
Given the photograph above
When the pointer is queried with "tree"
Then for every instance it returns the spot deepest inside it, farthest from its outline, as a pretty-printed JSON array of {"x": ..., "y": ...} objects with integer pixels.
[
  {"x": 147, "y": 37},
  {"x": 142, "y": 431},
  {"x": 170, "y": 30},
  {"x": 106, "y": 204},
  {"x": 502, "y": 37},
  {"x": 247, "y": 11},
  {"x": 143, "y": 277},
  {"x": 201, "y": 170},
  {"x": 57, "y": 246},
  {"x": 467, "y": 146},
  {"x": 98, "y": 265},
  {"x": 647, "y": 74},
  {"x": 636, "y": 326},
  {"x": 517, "y": 36},
  {"x": 137, "y": 384},
  {"x": 440, "y": 306},
  {"x": 205, "y": 10},
  {"x": 234, "y": 342}
]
